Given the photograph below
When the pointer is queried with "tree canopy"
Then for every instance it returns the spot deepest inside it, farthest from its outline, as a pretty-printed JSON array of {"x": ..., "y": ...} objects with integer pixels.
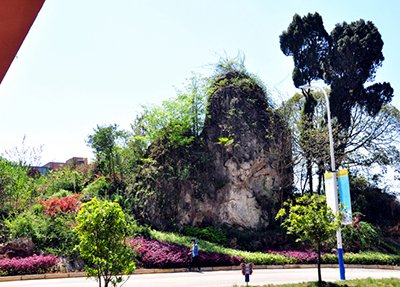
[
  {"x": 104, "y": 143},
  {"x": 310, "y": 220},
  {"x": 346, "y": 60},
  {"x": 102, "y": 230}
]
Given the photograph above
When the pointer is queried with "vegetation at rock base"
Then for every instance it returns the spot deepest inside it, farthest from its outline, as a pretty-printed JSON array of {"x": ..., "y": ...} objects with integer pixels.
[
  {"x": 29, "y": 265},
  {"x": 276, "y": 257},
  {"x": 159, "y": 254},
  {"x": 209, "y": 233},
  {"x": 255, "y": 257}
]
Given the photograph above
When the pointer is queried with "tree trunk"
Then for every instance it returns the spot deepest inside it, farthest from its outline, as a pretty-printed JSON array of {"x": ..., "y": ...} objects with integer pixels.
[
  {"x": 320, "y": 176},
  {"x": 310, "y": 175},
  {"x": 319, "y": 264},
  {"x": 307, "y": 123},
  {"x": 303, "y": 187}
]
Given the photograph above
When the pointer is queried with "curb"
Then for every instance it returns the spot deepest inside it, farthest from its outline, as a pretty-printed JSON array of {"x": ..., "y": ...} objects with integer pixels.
[{"x": 175, "y": 270}]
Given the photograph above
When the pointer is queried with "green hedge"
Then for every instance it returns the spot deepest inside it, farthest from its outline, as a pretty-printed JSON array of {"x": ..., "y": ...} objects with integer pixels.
[{"x": 365, "y": 258}]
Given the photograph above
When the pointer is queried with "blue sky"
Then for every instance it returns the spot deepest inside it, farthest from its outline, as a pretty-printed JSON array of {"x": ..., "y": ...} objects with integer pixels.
[{"x": 88, "y": 63}]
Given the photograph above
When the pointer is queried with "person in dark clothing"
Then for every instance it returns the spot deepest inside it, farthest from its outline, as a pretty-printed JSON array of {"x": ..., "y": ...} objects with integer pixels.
[{"x": 195, "y": 258}]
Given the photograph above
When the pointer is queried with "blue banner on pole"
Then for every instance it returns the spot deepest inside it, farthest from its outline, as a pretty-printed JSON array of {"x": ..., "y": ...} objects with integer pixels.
[{"x": 344, "y": 193}]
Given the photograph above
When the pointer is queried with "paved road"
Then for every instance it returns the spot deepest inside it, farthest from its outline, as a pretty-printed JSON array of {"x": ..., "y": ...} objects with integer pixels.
[{"x": 216, "y": 278}]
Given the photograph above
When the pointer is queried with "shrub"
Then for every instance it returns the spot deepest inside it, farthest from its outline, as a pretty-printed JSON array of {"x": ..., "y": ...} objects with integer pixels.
[
  {"x": 62, "y": 193},
  {"x": 158, "y": 254},
  {"x": 59, "y": 236},
  {"x": 366, "y": 258},
  {"x": 301, "y": 257},
  {"x": 209, "y": 233},
  {"x": 55, "y": 206},
  {"x": 26, "y": 224},
  {"x": 66, "y": 178},
  {"x": 98, "y": 187},
  {"x": 360, "y": 236},
  {"x": 16, "y": 187},
  {"x": 51, "y": 234},
  {"x": 379, "y": 207},
  {"x": 28, "y": 265},
  {"x": 3, "y": 232},
  {"x": 263, "y": 258},
  {"x": 137, "y": 230}
]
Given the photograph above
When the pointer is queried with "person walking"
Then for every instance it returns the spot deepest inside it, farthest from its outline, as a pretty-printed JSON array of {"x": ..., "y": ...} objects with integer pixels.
[{"x": 195, "y": 262}]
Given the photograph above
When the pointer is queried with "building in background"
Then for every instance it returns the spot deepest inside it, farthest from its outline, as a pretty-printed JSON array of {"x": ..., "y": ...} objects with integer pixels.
[{"x": 45, "y": 169}]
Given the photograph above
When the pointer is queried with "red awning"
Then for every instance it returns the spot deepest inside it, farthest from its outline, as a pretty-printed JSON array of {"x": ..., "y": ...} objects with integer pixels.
[{"x": 16, "y": 18}]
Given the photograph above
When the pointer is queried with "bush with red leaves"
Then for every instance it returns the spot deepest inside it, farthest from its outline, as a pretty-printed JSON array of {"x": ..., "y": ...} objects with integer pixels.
[
  {"x": 54, "y": 206},
  {"x": 158, "y": 254},
  {"x": 29, "y": 265}
]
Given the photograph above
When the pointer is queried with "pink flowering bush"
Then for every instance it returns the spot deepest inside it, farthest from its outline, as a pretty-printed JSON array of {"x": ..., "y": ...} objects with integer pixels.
[
  {"x": 29, "y": 265},
  {"x": 158, "y": 254},
  {"x": 302, "y": 257}
]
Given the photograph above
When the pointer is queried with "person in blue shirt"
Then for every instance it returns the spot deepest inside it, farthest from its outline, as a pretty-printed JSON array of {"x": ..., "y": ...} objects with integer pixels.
[{"x": 195, "y": 262}]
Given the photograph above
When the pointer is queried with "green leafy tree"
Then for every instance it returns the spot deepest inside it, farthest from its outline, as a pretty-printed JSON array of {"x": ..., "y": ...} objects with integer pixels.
[
  {"x": 102, "y": 230},
  {"x": 311, "y": 220},
  {"x": 171, "y": 120},
  {"x": 307, "y": 41},
  {"x": 179, "y": 119},
  {"x": 196, "y": 91},
  {"x": 107, "y": 143},
  {"x": 17, "y": 189}
]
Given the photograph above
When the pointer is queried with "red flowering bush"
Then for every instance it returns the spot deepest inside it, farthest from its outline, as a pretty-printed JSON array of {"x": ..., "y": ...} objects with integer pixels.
[
  {"x": 29, "y": 265},
  {"x": 302, "y": 257},
  {"x": 218, "y": 259},
  {"x": 158, "y": 254},
  {"x": 54, "y": 206}
]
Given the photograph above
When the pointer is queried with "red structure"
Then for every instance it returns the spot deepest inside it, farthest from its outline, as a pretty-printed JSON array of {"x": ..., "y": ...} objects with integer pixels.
[{"x": 16, "y": 18}]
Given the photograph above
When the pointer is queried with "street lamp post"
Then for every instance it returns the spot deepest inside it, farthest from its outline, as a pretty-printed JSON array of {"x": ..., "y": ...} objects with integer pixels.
[{"x": 333, "y": 169}]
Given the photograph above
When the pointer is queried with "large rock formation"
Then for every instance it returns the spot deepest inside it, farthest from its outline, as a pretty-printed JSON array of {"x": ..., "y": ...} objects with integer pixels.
[{"x": 233, "y": 175}]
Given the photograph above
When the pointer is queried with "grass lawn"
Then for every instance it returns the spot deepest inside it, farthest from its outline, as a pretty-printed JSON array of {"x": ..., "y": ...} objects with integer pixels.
[{"x": 392, "y": 282}]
